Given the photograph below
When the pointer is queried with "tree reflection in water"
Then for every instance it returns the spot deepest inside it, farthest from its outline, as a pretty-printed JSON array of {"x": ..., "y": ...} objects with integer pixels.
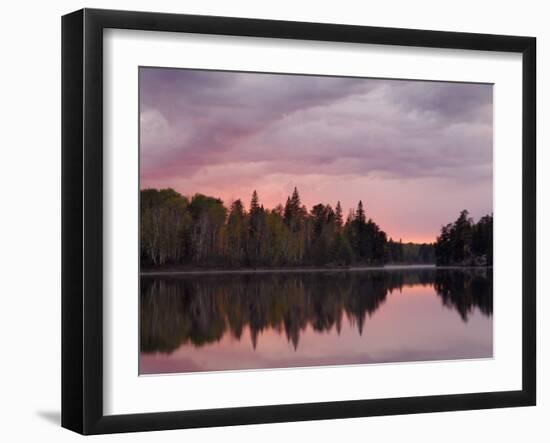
[{"x": 201, "y": 309}]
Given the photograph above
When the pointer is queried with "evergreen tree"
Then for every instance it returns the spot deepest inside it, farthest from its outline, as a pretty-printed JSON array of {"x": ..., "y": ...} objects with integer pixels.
[
  {"x": 255, "y": 230},
  {"x": 360, "y": 213},
  {"x": 338, "y": 215},
  {"x": 294, "y": 212},
  {"x": 358, "y": 231},
  {"x": 254, "y": 203},
  {"x": 465, "y": 242},
  {"x": 236, "y": 233}
]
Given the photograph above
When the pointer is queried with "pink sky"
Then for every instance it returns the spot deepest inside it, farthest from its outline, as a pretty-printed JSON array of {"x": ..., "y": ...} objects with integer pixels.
[{"x": 416, "y": 153}]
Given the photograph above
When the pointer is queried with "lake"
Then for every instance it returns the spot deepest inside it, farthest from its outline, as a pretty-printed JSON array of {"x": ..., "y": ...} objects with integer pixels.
[{"x": 230, "y": 321}]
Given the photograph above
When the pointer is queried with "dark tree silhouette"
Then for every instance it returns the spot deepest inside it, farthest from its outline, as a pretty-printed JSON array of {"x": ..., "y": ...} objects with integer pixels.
[
  {"x": 466, "y": 243},
  {"x": 202, "y": 232}
]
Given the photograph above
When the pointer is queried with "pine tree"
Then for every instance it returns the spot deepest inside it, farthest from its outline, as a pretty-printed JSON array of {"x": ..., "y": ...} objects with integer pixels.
[
  {"x": 359, "y": 234},
  {"x": 360, "y": 213},
  {"x": 287, "y": 216},
  {"x": 236, "y": 232},
  {"x": 254, "y": 203},
  {"x": 338, "y": 215},
  {"x": 294, "y": 212},
  {"x": 295, "y": 200},
  {"x": 256, "y": 231}
]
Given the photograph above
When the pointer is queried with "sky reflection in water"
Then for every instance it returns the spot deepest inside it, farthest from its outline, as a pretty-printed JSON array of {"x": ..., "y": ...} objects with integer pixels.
[{"x": 212, "y": 322}]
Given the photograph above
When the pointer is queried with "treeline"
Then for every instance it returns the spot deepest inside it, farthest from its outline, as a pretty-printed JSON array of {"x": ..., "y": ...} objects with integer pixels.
[
  {"x": 410, "y": 253},
  {"x": 466, "y": 243},
  {"x": 201, "y": 231}
]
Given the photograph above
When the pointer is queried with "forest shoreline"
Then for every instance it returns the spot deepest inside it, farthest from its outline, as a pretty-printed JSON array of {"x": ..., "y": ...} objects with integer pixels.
[
  {"x": 178, "y": 233},
  {"x": 301, "y": 269}
]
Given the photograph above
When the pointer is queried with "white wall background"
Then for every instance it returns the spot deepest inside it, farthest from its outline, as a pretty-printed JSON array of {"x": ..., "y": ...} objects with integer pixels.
[{"x": 30, "y": 218}]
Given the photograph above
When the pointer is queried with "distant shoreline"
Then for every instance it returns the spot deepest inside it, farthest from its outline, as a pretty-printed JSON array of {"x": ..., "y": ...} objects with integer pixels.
[{"x": 153, "y": 273}]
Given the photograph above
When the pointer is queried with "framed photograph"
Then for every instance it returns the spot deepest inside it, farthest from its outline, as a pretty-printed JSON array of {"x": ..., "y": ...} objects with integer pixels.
[{"x": 268, "y": 221}]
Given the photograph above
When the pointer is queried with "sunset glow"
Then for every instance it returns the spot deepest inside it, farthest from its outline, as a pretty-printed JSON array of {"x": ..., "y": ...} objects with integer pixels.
[{"x": 414, "y": 152}]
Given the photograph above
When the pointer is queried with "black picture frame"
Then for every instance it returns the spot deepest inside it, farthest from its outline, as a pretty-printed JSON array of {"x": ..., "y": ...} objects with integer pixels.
[{"x": 82, "y": 220}]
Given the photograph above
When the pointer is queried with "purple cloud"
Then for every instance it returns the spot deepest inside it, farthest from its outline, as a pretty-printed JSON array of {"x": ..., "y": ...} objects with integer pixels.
[{"x": 231, "y": 132}]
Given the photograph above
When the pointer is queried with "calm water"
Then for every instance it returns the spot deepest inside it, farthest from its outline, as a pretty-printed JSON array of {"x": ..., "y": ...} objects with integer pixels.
[{"x": 210, "y": 322}]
